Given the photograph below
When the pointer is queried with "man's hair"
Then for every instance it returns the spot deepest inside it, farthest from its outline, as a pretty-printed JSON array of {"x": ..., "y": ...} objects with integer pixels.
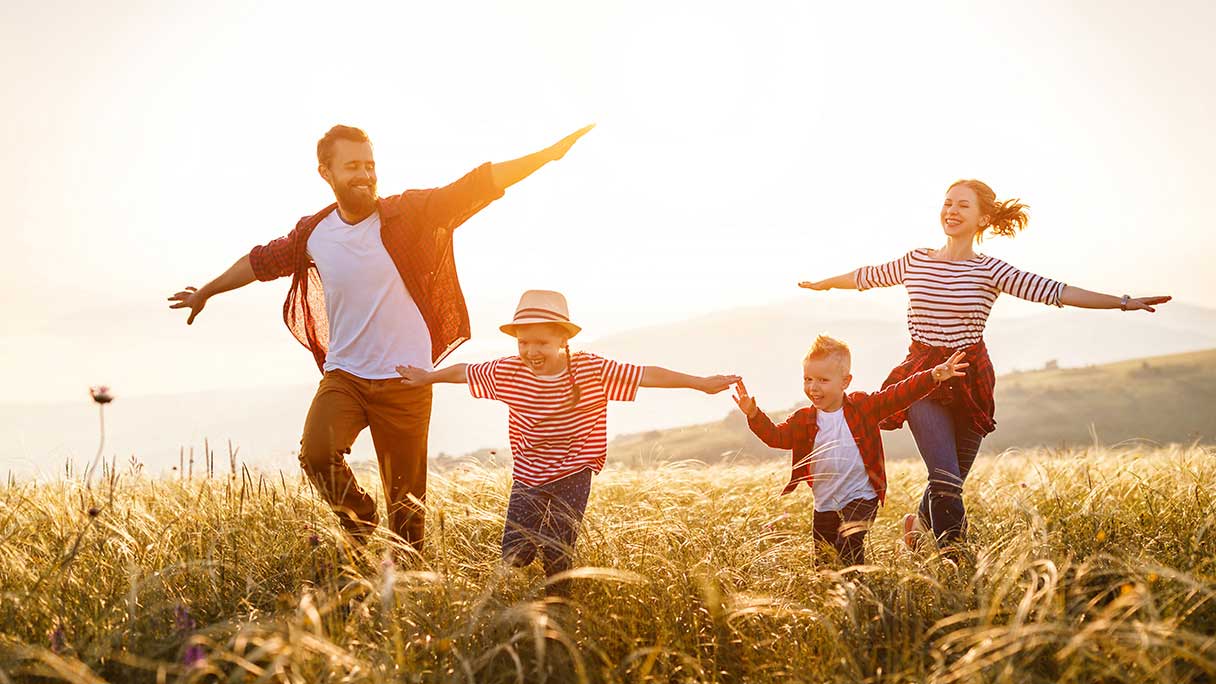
[
  {"x": 325, "y": 146},
  {"x": 830, "y": 348}
]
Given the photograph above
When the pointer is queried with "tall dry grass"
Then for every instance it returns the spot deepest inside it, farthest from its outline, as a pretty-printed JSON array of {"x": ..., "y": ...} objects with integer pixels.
[{"x": 1084, "y": 566}]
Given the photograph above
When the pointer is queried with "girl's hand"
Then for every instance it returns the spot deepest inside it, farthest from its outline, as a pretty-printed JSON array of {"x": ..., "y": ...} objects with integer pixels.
[
  {"x": 1139, "y": 303},
  {"x": 716, "y": 383},
  {"x": 951, "y": 368},
  {"x": 413, "y": 376},
  {"x": 817, "y": 285},
  {"x": 746, "y": 404}
]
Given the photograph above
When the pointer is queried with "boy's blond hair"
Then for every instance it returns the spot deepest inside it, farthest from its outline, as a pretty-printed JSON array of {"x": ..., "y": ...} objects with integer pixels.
[{"x": 831, "y": 348}]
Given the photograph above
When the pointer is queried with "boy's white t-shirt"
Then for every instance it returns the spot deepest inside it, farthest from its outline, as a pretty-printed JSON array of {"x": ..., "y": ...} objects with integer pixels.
[
  {"x": 838, "y": 473},
  {"x": 374, "y": 324}
]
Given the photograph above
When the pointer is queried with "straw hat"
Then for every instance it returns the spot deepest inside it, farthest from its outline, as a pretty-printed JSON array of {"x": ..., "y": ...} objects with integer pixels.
[{"x": 541, "y": 306}]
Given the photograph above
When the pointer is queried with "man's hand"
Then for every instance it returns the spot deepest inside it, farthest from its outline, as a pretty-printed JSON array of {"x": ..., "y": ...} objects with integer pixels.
[
  {"x": 746, "y": 404},
  {"x": 712, "y": 384},
  {"x": 413, "y": 376},
  {"x": 189, "y": 298},
  {"x": 561, "y": 147},
  {"x": 950, "y": 368}
]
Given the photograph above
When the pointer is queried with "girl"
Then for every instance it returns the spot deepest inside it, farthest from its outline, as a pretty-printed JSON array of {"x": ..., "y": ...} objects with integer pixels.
[
  {"x": 557, "y": 423},
  {"x": 951, "y": 291}
]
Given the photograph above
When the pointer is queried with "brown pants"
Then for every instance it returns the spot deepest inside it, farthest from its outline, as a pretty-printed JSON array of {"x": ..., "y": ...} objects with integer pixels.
[{"x": 399, "y": 418}]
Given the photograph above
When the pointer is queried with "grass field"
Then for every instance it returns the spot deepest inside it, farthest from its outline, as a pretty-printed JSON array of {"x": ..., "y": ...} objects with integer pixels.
[{"x": 1083, "y": 566}]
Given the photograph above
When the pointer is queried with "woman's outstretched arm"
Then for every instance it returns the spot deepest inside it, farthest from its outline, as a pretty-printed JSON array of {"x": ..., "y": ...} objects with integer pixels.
[
  {"x": 1087, "y": 299},
  {"x": 844, "y": 281}
]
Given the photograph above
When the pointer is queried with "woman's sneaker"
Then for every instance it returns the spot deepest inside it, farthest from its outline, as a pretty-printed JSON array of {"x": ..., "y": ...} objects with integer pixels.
[{"x": 915, "y": 531}]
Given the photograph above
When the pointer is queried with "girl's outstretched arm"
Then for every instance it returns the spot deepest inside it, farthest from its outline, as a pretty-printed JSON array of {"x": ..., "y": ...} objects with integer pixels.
[
  {"x": 654, "y": 376},
  {"x": 416, "y": 377},
  {"x": 1086, "y": 299},
  {"x": 844, "y": 281}
]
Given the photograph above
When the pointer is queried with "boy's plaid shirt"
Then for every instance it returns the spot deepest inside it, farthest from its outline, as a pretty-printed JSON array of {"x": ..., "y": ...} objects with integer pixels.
[
  {"x": 416, "y": 228},
  {"x": 862, "y": 413}
]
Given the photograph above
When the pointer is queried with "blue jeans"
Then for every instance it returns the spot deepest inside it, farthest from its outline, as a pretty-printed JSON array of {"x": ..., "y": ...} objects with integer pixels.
[
  {"x": 948, "y": 449},
  {"x": 546, "y": 519}
]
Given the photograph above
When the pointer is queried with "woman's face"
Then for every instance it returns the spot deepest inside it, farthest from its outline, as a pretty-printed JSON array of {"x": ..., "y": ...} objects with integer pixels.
[
  {"x": 961, "y": 213},
  {"x": 541, "y": 347}
]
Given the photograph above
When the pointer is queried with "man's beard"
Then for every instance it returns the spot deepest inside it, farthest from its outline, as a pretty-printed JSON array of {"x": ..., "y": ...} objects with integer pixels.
[{"x": 354, "y": 200}]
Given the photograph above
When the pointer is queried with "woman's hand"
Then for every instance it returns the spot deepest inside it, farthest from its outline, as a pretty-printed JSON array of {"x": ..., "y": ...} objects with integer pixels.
[
  {"x": 950, "y": 368},
  {"x": 1146, "y": 303},
  {"x": 713, "y": 384},
  {"x": 817, "y": 285}
]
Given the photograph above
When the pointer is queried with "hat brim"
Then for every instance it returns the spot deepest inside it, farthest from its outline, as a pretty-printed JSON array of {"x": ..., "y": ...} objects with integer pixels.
[{"x": 513, "y": 327}]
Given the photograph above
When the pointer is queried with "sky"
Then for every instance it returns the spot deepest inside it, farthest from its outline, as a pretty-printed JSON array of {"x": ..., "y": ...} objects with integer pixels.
[{"x": 739, "y": 149}]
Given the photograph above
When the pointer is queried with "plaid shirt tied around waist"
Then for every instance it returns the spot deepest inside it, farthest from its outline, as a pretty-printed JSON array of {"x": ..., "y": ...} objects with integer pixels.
[
  {"x": 968, "y": 397},
  {"x": 416, "y": 228},
  {"x": 862, "y": 413}
]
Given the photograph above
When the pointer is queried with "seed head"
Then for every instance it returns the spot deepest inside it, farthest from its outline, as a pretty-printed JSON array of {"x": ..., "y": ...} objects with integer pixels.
[{"x": 101, "y": 394}]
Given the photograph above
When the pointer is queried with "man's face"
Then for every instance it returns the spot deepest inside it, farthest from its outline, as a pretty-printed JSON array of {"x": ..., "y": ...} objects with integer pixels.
[{"x": 351, "y": 173}]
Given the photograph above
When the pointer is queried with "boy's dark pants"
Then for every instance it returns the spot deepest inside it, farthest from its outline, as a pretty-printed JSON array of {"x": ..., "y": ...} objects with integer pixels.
[
  {"x": 845, "y": 530},
  {"x": 546, "y": 519}
]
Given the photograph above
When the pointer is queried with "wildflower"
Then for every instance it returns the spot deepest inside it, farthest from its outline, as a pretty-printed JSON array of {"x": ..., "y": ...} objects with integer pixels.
[
  {"x": 59, "y": 642},
  {"x": 194, "y": 655},
  {"x": 313, "y": 539},
  {"x": 1101, "y": 535},
  {"x": 182, "y": 621},
  {"x": 101, "y": 394}
]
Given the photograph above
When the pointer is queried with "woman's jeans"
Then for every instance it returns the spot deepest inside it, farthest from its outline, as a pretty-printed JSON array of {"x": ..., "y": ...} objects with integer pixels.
[{"x": 948, "y": 449}]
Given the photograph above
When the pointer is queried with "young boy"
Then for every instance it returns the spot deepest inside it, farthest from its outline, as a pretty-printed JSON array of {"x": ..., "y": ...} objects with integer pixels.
[
  {"x": 557, "y": 423},
  {"x": 836, "y": 445}
]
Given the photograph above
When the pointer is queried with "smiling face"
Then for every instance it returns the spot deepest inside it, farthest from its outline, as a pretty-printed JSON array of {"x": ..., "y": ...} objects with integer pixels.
[
  {"x": 824, "y": 379},
  {"x": 961, "y": 217},
  {"x": 351, "y": 173},
  {"x": 542, "y": 347}
]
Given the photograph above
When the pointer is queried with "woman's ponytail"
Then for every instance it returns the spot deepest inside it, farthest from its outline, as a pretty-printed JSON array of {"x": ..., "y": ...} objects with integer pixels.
[{"x": 1005, "y": 218}]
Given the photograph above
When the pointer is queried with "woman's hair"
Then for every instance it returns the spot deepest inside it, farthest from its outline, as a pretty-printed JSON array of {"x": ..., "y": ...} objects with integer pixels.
[{"x": 1004, "y": 217}]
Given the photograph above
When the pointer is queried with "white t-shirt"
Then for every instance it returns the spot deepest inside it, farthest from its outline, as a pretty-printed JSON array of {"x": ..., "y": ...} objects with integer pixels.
[
  {"x": 374, "y": 324},
  {"x": 838, "y": 473}
]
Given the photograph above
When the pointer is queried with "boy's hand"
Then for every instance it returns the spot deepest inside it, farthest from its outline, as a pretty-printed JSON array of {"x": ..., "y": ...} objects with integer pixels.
[
  {"x": 413, "y": 376},
  {"x": 950, "y": 368},
  {"x": 746, "y": 404},
  {"x": 713, "y": 384}
]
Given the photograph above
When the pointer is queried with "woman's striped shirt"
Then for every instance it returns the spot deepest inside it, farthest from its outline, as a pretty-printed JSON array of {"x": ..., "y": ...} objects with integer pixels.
[
  {"x": 949, "y": 301},
  {"x": 549, "y": 438}
]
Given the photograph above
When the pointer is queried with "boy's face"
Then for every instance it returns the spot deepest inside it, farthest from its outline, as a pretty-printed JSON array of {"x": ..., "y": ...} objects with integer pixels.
[{"x": 824, "y": 381}]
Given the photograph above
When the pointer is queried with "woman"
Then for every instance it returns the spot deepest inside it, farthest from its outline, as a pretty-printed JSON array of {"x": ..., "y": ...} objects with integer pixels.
[{"x": 951, "y": 291}]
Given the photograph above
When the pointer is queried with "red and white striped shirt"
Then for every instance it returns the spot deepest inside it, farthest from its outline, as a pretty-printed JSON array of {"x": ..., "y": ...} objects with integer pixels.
[
  {"x": 550, "y": 439},
  {"x": 949, "y": 301}
]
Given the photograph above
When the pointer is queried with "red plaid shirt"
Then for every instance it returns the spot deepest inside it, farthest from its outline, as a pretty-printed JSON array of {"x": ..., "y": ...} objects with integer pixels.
[
  {"x": 416, "y": 228},
  {"x": 969, "y": 397},
  {"x": 862, "y": 412}
]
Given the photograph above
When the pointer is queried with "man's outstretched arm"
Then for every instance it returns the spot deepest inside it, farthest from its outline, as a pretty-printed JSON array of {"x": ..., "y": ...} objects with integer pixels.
[
  {"x": 239, "y": 274},
  {"x": 509, "y": 173}
]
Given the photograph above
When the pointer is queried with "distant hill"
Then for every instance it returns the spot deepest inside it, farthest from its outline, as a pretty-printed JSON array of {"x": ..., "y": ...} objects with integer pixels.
[
  {"x": 1162, "y": 399},
  {"x": 763, "y": 343}
]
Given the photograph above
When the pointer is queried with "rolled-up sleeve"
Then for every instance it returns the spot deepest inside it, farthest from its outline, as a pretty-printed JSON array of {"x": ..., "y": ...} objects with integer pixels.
[
  {"x": 448, "y": 207},
  {"x": 276, "y": 258}
]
